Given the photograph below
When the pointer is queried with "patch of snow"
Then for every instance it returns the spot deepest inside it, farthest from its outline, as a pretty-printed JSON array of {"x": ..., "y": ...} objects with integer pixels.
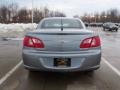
[{"x": 16, "y": 27}]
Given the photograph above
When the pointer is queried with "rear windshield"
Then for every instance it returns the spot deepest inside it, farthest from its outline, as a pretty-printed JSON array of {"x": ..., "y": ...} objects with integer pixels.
[
  {"x": 58, "y": 23},
  {"x": 110, "y": 24}
]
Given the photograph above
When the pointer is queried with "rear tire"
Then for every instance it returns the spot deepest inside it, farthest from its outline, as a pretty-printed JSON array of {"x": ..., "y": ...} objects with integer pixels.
[
  {"x": 103, "y": 29},
  {"x": 32, "y": 71},
  {"x": 110, "y": 30},
  {"x": 90, "y": 72},
  {"x": 35, "y": 71}
]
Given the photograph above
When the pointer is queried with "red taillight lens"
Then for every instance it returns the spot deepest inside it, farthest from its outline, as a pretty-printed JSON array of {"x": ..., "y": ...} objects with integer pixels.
[
  {"x": 33, "y": 42},
  {"x": 90, "y": 42}
]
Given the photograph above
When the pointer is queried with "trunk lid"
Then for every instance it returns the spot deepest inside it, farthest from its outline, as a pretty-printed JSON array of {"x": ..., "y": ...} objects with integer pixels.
[{"x": 59, "y": 41}]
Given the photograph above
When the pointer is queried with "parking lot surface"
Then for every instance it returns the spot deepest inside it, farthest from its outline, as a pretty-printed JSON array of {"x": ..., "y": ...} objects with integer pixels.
[{"x": 13, "y": 76}]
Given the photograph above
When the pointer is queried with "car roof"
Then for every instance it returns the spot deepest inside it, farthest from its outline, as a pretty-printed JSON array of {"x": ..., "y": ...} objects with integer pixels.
[
  {"x": 61, "y": 18},
  {"x": 108, "y": 23},
  {"x": 48, "y": 18}
]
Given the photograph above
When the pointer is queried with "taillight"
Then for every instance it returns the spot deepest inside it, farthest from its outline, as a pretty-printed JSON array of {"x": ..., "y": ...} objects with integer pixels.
[
  {"x": 33, "y": 42},
  {"x": 90, "y": 42}
]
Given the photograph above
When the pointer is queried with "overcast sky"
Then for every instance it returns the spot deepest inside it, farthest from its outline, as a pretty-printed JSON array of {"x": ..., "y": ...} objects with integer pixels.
[{"x": 71, "y": 7}]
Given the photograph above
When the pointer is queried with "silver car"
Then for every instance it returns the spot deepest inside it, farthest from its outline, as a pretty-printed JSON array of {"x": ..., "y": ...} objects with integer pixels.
[{"x": 61, "y": 45}]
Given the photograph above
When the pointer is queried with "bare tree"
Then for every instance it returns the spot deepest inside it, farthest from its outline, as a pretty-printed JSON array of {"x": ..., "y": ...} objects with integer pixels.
[
  {"x": 4, "y": 14},
  {"x": 111, "y": 15},
  {"x": 12, "y": 13},
  {"x": 22, "y": 15},
  {"x": 38, "y": 15},
  {"x": 13, "y": 10},
  {"x": 56, "y": 14}
]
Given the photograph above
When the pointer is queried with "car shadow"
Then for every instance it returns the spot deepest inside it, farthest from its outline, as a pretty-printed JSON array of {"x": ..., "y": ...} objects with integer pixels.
[{"x": 61, "y": 81}]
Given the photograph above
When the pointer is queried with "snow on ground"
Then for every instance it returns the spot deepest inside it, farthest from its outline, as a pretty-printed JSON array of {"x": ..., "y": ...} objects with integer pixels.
[{"x": 15, "y": 29}]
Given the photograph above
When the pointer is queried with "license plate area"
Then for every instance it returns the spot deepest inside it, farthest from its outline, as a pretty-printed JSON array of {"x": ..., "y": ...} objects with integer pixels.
[{"x": 62, "y": 62}]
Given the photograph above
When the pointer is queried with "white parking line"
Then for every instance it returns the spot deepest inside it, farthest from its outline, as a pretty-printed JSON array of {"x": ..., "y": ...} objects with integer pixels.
[
  {"x": 14, "y": 38},
  {"x": 10, "y": 72},
  {"x": 112, "y": 67}
]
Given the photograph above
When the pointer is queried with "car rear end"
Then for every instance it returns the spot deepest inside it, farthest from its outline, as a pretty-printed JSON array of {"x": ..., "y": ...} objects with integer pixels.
[
  {"x": 110, "y": 26},
  {"x": 114, "y": 27},
  {"x": 61, "y": 51}
]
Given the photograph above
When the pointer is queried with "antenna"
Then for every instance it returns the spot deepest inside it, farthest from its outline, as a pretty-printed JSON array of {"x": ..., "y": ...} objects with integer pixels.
[{"x": 61, "y": 24}]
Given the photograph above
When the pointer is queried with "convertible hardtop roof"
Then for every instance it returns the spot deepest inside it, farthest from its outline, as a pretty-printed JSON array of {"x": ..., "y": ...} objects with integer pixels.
[{"x": 61, "y": 18}]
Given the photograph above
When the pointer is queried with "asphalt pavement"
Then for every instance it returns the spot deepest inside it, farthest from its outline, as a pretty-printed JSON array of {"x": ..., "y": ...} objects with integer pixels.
[{"x": 14, "y": 77}]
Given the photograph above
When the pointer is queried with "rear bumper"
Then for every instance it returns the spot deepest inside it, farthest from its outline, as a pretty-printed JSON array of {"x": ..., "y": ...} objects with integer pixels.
[
  {"x": 113, "y": 28},
  {"x": 79, "y": 61}
]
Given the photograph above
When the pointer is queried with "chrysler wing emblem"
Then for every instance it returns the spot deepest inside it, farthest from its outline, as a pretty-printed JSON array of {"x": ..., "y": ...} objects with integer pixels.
[{"x": 62, "y": 41}]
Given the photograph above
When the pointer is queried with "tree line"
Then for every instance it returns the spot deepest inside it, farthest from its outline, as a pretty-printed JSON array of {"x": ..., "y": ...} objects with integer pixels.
[
  {"x": 111, "y": 15},
  {"x": 12, "y": 13}
]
